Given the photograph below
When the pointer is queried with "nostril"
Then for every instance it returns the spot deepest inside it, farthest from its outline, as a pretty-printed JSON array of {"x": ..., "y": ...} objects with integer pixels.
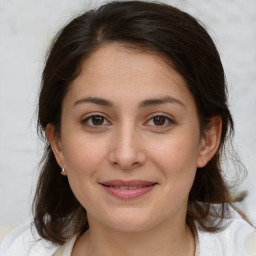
[{"x": 126, "y": 157}]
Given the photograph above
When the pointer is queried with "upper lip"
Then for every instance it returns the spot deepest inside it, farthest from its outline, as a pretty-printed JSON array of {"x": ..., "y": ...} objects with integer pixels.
[{"x": 127, "y": 183}]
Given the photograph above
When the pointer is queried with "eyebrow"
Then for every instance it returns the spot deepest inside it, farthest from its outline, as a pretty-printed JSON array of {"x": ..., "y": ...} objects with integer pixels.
[
  {"x": 159, "y": 101},
  {"x": 143, "y": 104},
  {"x": 95, "y": 100}
]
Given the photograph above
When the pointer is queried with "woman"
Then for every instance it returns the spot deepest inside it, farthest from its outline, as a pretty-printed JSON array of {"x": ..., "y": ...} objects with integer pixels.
[{"x": 133, "y": 105}]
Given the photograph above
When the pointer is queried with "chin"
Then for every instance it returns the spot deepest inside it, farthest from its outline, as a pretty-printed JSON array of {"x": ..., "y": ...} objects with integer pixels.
[{"x": 130, "y": 221}]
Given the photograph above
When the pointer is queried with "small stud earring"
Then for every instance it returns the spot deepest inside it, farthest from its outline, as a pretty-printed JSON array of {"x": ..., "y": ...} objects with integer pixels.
[{"x": 63, "y": 172}]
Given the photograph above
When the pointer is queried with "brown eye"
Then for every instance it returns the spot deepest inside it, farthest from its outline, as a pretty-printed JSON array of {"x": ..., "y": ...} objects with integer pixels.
[
  {"x": 97, "y": 120},
  {"x": 159, "y": 120}
]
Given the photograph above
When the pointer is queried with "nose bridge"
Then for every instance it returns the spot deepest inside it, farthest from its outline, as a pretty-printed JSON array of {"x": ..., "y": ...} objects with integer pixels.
[
  {"x": 127, "y": 146},
  {"x": 126, "y": 138}
]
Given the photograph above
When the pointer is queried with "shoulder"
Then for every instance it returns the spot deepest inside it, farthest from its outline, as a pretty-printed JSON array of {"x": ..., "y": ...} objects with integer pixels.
[
  {"x": 4, "y": 230},
  {"x": 237, "y": 239},
  {"x": 24, "y": 240},
  {"x": 250, "y": 246}
]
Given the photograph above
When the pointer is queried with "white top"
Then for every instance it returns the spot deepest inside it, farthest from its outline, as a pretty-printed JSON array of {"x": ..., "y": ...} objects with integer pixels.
[{"x": 238, "y": 239}]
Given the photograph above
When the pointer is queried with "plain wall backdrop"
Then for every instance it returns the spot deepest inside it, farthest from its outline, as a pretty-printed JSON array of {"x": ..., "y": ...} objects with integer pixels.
[{"x": 26, "y": 29}]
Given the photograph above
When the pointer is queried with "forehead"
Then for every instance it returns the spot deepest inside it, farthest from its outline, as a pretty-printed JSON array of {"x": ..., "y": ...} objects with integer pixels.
[
  {"x": 116, "y": 60},
  {"x": 122, "y": 73}
]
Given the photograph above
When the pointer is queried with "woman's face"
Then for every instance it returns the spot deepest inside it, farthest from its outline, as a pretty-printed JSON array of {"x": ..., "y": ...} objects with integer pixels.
[{"x": 130, "y": 140}]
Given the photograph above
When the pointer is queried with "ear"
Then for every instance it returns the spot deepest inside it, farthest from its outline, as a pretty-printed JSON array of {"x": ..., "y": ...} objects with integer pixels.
[
  {"x": 210, "y": 141},
  {"x": 56, "y": 146}
]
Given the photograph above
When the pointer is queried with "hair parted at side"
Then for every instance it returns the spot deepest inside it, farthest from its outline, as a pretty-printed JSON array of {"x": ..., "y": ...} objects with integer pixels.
[{"x": 184, "y": 43}]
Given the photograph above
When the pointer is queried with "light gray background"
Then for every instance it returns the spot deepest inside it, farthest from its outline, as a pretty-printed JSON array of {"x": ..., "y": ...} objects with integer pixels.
[{"x": 27, "y": 28}]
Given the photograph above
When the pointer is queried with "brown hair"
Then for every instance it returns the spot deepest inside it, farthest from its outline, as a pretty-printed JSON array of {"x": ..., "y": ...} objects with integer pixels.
[{"x": 185, "y": 44}]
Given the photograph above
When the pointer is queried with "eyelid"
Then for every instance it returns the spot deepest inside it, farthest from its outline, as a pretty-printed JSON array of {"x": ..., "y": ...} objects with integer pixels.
[
  {"x": 169, "y": 118},
  {"x": 90, "y": 115}
]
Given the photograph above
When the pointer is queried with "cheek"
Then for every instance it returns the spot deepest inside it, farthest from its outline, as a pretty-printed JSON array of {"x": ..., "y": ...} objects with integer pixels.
[
  {"x": 177, "y": 153},
  {"x": 83, "y": 154},
  {"x": 177, "y": 158},
  {"x": 84, "y": 158}
]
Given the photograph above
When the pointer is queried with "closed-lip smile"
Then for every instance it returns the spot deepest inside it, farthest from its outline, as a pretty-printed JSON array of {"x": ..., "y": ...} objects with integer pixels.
[{"x": 128, "y": 189}]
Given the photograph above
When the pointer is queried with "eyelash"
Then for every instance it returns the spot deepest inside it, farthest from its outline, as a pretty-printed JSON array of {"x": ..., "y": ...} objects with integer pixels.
[
  {"x": 167, "y": 119},
  {"x": 86, "y": 120}
]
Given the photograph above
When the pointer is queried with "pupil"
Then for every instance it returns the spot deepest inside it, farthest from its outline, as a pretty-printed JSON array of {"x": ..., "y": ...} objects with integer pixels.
[
  {"x": 159, "y": 120},
  {"x": 97, "y": 120}
]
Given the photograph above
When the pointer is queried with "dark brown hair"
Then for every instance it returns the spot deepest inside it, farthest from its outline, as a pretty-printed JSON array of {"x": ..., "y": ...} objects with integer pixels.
[{"x": 184, "y": 43}]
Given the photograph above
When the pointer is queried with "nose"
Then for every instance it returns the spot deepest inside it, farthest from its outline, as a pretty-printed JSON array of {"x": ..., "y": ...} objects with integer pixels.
[{"x": 127, "y": 151}]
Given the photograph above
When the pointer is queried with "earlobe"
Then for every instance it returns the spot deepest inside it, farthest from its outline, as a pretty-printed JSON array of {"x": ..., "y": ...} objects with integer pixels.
[
  {"x": 210, "y": 141},
  {"x": 55, "y": 143}
]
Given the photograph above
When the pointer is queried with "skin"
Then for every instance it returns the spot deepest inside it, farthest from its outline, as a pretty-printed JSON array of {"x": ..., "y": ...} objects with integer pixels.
[{"x": 130, "y": 143}]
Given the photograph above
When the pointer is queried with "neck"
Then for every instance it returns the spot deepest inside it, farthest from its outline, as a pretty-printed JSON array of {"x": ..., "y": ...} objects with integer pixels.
[{"x": 166, "y": 240}]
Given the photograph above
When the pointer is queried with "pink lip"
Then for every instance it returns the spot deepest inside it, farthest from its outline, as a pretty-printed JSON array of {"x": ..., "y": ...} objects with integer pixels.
[{"x": 135, "y": 188}]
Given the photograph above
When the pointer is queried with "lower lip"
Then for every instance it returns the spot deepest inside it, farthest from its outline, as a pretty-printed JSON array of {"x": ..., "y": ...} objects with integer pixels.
[{"x": 128, "y": 193}]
